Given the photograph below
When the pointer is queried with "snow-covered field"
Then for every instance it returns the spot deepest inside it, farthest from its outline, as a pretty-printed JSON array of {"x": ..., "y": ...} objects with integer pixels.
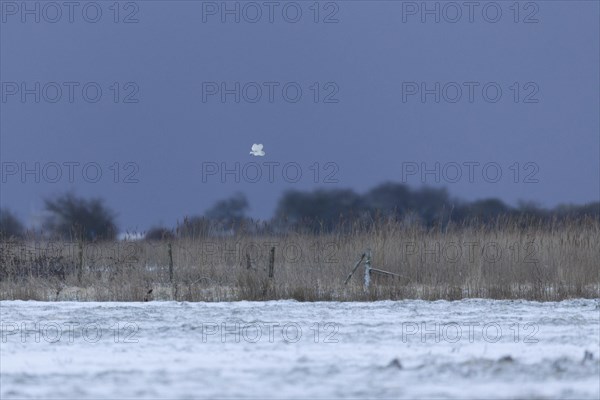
[{"x": 285, "y": 349}]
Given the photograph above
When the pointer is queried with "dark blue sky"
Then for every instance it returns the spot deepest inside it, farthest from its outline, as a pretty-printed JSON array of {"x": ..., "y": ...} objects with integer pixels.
[{"x": 360, "y": 116}]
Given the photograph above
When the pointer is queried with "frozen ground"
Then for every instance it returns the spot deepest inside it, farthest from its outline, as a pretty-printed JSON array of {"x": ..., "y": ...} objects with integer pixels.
[{"x": 391, "y": 349}]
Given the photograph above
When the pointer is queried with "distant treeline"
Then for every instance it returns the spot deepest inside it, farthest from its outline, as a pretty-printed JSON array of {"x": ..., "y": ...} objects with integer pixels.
[
  {"x": 426, "y": 206},
  {"x": 322, "y": 210}
]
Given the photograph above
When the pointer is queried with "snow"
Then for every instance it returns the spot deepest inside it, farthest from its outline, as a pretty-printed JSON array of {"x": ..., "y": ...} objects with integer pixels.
[{"x": 387, "y": 349}]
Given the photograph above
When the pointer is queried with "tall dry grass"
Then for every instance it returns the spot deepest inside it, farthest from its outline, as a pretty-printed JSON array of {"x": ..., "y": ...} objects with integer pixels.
[{"x": 506, "y": 260}]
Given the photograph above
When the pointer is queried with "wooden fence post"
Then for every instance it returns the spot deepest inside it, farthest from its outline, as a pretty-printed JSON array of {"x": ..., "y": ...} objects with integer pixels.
[
  {"x": 170, "y": 264},
  {"x": 80, "y": 263},
  {"x": 248, "y": 261},
  {"x": 272, "y": 263}
]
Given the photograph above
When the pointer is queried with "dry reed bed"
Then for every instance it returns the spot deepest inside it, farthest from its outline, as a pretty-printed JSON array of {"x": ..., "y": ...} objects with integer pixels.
[{"x": 505, "y": 261}]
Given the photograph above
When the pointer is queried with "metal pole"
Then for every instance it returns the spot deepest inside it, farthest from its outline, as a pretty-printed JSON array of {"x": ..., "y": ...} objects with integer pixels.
[{"x": 368, "y": 270}]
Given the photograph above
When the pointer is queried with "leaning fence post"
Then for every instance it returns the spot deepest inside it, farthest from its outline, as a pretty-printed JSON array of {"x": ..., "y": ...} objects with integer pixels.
[
  {"x": 362, "y": 257},
  {"x": 170, "y": 264},
  {"x": 368, "y": 269},
  {"x": 272, "y": 262}
]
